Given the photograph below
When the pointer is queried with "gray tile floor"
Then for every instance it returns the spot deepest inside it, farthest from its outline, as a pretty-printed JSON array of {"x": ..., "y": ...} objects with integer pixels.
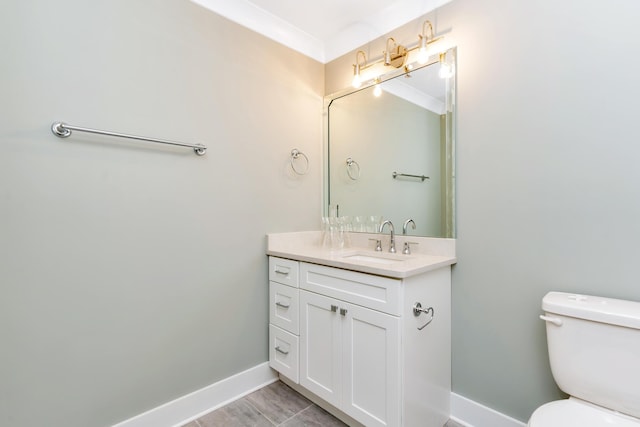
[{"x": 274, "y": 405}]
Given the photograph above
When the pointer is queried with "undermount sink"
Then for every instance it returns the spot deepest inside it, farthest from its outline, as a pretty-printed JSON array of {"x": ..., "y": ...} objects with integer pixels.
[{"x": 375, "y": 258}]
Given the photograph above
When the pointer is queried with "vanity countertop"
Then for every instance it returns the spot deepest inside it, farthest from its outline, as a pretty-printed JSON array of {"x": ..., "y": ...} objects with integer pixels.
[{"x": 359, "y": 255}]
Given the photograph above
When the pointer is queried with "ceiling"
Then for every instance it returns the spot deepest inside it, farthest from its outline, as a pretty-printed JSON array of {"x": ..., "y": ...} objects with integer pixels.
[{"x": 321, "y": 29}]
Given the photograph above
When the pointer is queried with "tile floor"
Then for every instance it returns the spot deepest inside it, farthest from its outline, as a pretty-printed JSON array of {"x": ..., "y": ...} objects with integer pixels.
[{"x": 274, "y": 405}]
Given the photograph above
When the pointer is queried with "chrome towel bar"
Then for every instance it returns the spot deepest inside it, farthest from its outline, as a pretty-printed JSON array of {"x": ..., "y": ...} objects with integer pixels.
[
  {"x": 396, "y": 174},
  {"x": 63, "y": 130}
]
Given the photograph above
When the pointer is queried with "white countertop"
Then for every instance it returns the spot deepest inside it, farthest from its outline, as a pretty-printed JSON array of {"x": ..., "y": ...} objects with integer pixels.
[{"x": 359, "y": 255}]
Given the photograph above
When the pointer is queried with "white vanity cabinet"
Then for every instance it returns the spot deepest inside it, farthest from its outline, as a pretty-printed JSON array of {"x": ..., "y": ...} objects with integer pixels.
[{"x": 360, "y": 348}]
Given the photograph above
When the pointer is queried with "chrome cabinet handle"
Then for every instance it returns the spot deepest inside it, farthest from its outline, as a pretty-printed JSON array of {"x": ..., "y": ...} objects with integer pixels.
[
  {"x": 334, "y": 308},
  {"x": 279, "y": 350},
  {"x": 282, "y": 272},
  {"x": 279, "y": 304},
  {"x": 418, "y": 310}
]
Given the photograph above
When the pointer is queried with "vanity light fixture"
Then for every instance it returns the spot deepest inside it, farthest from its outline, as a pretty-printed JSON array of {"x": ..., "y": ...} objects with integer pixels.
[
  {"x": 396, "y": 55},
  {"x": 357, "y": 79}
]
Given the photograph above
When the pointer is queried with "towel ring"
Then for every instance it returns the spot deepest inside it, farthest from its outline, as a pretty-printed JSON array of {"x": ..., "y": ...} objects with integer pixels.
[
  {"x": 295, "y": 154},
  {"x": 351, "y": 162}
]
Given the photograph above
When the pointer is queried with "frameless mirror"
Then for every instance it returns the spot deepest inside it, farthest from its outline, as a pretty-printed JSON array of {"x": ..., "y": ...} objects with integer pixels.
[{"x": 390, "y": 152}]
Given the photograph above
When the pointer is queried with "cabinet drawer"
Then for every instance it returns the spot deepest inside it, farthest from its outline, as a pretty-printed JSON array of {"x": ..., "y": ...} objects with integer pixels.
[
  {"x": 375, "y": 292},
  {"x": 284, "y": 307},
  {"x": 283, "y": 271},
  {"x": 283, "y": 352}
]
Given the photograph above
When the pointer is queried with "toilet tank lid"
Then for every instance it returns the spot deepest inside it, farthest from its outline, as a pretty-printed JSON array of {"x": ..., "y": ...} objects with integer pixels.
[{"x": 598, "y": 309}]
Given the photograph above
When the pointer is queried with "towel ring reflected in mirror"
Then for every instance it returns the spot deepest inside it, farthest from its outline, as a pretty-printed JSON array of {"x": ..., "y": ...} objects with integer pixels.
[
  {"x": 295, "y": 155},
  {"x": 353, "y": 172}
]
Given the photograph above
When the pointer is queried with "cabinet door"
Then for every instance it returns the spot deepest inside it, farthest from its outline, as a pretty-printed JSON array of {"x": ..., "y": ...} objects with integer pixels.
[
  {"x": 371, "y": 352},
  {"x": 320, "y": 346}
]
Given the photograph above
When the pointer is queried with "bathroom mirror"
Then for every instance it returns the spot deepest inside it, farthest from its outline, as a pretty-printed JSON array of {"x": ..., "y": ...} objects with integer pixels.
[{"x": 390, "y": 153}]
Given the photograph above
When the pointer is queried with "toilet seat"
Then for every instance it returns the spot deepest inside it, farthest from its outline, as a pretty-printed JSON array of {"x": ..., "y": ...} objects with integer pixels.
[{"x": 573, "y": 412}]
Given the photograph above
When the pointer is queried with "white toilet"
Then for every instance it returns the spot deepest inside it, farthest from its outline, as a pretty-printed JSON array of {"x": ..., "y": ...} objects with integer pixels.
[{"x": 594, "y": 351}]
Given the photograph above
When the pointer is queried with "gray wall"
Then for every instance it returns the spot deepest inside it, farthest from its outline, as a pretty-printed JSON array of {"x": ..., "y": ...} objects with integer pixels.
[
  {"x": 547, "y": 181},
  {"x": 130, "y": 273},
  {"x": 547, "y": 175}
]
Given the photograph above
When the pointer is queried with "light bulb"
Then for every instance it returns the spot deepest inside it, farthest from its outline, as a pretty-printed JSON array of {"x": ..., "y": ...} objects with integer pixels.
[
  {"x": 356, "y": 83},
  {"x": 377, "y": 91},
  {"x": 423, "y": 55},
  {"x": 423, "y": 52},
  {"x": 446, "y": 71}
]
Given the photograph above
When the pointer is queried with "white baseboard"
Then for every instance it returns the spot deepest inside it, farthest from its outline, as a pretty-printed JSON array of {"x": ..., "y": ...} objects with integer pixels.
[
  {"x": 472, "y": 414},
  {"x": 193, "y": 405}
]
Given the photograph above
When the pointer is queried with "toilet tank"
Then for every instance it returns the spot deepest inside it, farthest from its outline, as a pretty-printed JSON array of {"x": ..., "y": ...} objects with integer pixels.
[{"x": 594, "y": 349}]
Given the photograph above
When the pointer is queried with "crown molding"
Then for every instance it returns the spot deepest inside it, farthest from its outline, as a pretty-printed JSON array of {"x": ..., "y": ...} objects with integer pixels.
[
  {"x": 245, "y": 13},
  {"x": 375, "y": 25},
  {"x": 248, "y": 15}
]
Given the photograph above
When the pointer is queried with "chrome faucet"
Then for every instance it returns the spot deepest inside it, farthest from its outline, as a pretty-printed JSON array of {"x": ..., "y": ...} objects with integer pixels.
[
  {"x": 406, "y": 223},
  {"x": 392, "y": 244}
]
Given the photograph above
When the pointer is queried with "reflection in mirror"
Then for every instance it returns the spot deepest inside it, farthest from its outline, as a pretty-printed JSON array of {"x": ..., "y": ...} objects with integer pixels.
[{"x": 391, "y": 152}]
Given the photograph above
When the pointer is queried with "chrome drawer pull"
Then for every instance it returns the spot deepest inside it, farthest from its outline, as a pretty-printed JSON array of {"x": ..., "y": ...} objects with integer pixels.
[
  {"x": 279, "y": 350},
  {"x": 279, "y": 304},
  {"x": 285, "y": 272}
]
